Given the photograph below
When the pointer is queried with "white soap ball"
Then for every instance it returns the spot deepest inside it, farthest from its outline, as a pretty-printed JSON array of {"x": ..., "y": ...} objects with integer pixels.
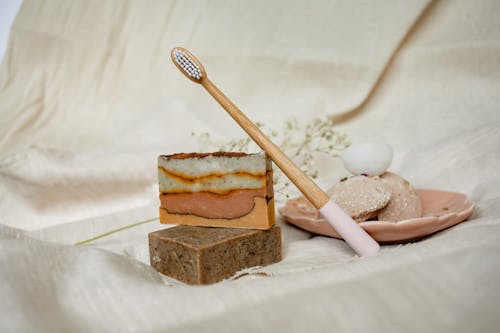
[{"x": 371, "y": 158}]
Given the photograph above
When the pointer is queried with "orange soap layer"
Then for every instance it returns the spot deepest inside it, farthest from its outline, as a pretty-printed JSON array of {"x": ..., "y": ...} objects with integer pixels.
[
  {"x": 236, "y": 203},
  {"x": 260, "y": 217}
]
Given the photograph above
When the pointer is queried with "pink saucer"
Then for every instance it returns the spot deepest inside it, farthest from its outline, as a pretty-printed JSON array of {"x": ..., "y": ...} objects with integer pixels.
[{"x": 441, "y": 210}]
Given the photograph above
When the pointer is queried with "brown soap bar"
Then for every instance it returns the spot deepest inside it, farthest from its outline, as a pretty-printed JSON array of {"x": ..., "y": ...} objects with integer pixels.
[{"x": 203, "y": 255}]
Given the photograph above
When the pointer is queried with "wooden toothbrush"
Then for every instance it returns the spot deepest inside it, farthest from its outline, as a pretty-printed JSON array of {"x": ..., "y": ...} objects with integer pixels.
[{"x": 351, "y": 232}]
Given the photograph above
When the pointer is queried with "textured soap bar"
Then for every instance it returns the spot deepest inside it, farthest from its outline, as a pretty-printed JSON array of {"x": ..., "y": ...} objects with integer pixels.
[
  {"x": 232, "y": 190},
  {"x": 201, "y": 255}
]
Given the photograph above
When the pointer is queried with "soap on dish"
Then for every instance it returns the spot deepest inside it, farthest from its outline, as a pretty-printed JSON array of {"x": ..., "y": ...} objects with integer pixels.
[
  {"x": 223, "y": 189},
  {"x": 405, "y": 202},
  {"x": 361, "y": 197},
  {"x": 201, "y": 255}
]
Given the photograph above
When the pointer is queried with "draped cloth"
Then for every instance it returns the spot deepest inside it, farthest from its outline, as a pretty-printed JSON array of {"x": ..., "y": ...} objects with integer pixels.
[{"x": 89, "y": 98}]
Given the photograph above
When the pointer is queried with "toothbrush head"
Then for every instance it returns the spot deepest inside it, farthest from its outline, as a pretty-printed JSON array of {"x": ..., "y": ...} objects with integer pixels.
[{"x": 188, "y": 64}]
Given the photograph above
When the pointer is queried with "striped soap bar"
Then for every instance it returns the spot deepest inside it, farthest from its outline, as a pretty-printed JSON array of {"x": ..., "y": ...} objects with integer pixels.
[{"x": 216, "y": 190}]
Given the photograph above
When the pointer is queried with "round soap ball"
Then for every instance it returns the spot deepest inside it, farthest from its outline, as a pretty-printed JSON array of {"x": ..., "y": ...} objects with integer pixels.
[
  {"x": 405, "y": 202},
  {"x": 361, "y": 197},
  {"x": 369, "y": 158}
]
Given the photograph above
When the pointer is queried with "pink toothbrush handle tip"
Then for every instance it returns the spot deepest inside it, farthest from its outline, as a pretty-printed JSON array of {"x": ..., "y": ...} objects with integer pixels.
[{"x": 349, "y": 230}]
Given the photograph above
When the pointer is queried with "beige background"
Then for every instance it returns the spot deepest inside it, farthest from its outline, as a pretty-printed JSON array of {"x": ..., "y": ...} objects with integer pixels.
[{"x": 89, "y": 98}]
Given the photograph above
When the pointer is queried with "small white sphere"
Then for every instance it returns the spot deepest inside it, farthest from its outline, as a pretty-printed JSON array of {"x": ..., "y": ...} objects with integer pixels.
[{"x": 371, "y": 158}]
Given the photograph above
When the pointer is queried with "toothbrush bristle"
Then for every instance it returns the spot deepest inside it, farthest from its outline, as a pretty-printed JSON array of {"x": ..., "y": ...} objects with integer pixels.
[{"x": 187, "y": 64}]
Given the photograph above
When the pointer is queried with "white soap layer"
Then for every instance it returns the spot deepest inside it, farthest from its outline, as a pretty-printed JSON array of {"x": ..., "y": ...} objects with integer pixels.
[
  {"x": 196, "y": 167},
  {"x": 211, "y": 173}
]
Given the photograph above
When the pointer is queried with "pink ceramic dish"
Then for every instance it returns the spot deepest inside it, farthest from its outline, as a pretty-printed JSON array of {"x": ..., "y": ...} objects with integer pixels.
[{"x": 441, "y": 210}]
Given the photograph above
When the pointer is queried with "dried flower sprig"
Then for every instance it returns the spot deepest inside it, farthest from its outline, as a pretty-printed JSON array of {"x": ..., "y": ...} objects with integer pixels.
[
  {"x": 301, "y": 142},
  {"x": 109, "y": 233}
]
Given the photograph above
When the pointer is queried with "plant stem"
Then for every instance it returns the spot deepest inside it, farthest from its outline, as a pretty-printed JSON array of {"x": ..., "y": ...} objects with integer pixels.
[{"x": 115, "y": 230}]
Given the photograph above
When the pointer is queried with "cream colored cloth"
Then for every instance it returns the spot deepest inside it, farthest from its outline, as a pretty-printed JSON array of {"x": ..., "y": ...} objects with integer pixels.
[{"x": 89, "y": 98}]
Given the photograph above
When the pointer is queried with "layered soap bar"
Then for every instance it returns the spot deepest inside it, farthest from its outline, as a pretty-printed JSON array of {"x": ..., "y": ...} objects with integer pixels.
[
  {"x": 200, "y": 255},
  {"x": 216, "y": 190}
]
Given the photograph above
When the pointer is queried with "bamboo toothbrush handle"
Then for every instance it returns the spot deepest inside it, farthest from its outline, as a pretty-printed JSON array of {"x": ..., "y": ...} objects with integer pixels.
[
  {"x": 310, "y": 190},
  {"x": 347, "y": 228}
]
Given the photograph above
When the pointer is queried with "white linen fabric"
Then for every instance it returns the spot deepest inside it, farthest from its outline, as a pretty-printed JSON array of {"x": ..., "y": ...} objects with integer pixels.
[{"x": 89, "y": 98}]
